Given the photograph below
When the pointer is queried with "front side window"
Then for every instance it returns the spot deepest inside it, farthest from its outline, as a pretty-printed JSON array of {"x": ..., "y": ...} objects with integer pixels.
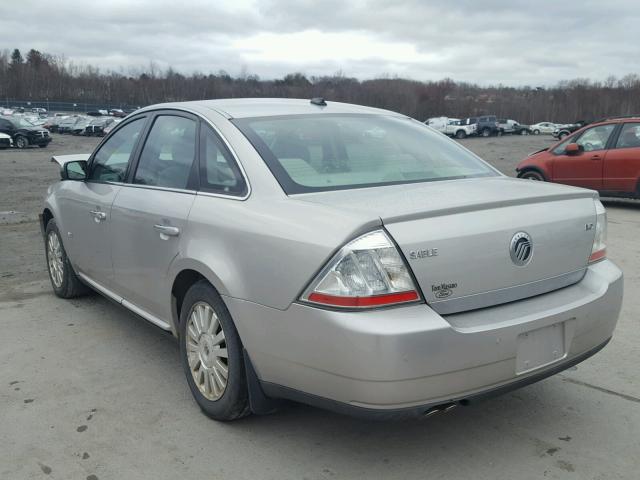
[
  {"x": 168, "y": 154},
  {"x": 111, "y": 161},
  {"x": 629, "y": 136},
  {"x": 595, "y": 138},
  {"x": 219, "y": 173},
  {"x": 328, "y": 152}
]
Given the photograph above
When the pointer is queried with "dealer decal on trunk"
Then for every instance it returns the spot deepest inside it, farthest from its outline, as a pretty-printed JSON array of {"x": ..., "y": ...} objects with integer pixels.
[{"x": 443, "y": 290}]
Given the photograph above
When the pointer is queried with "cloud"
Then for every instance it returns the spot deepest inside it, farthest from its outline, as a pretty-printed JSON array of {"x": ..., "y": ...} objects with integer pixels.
[{"x": 513, "y": 43}]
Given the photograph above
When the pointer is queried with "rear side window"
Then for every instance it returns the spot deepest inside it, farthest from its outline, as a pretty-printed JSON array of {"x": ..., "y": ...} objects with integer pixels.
[
  {"x": 111, "y": 161},
  {"x": 167, "y": 158},
  {"x": 309, "y": 153},
  {"x": 629, "y": 136},
  {"x": 219, "y": 172}
]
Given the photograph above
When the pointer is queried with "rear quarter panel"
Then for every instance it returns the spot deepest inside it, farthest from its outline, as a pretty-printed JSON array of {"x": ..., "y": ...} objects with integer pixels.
[{"x": 263, "y": 250}]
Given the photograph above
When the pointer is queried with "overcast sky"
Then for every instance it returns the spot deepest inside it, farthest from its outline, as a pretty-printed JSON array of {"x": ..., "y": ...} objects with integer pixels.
[{"x": 535, "y": 42}]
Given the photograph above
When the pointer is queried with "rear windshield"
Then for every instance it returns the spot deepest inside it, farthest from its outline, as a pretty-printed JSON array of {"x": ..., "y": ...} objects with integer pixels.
[{"x": 310, "y": 153}]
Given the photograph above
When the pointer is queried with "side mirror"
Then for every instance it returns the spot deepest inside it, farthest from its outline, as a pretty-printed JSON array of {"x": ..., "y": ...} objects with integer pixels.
[
  {"x": 572, "y": 149},
  {"x": 74, "y": 170}
]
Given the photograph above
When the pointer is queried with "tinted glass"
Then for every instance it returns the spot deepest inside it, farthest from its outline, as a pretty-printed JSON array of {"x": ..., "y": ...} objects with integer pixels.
[
  {"x": 629, "y": 136},
  {"x": 219, "y": 173},
  {"x": 110, "y": 162},
  {"x": 595, "y": 138},
  {"x": 327, "y": 152},
  {"x": 168, "y": 154}
]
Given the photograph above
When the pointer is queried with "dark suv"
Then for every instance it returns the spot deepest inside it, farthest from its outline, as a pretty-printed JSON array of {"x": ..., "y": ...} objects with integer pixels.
[
  {"x": 23, "y": 132},
  {"x": 487, "y": 125}
]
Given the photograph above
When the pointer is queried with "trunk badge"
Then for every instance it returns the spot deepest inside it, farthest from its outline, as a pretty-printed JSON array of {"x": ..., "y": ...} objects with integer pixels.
[{"x": 521, "y": 249}]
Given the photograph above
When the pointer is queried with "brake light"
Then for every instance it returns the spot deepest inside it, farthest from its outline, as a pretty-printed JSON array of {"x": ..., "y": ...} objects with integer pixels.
[
  {"x": 367, "y": 272},
  {"x": 599, "y": 248}
]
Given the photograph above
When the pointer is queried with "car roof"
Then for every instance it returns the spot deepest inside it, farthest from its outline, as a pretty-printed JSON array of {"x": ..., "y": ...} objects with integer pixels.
[{"x": 266, "y": 107}]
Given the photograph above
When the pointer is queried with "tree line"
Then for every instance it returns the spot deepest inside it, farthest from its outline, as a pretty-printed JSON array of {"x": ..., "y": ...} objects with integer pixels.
[{"x": 39, "y": 76}]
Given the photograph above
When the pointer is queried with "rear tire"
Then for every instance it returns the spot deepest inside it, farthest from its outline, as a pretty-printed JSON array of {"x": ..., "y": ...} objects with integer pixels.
[
  {"x": 212, "y": 355},
  {"x": 64, "y": 280},
  {"x": 532, "y": 175},
  {"x": 524, "y": 132},
  {"x": 21, "y": 142}
]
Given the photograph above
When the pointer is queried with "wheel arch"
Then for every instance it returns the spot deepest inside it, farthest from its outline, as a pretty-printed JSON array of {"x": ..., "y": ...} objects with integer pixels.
[
  {"x": 187, "y": 273},
  {"x": 531, "y": 168}
]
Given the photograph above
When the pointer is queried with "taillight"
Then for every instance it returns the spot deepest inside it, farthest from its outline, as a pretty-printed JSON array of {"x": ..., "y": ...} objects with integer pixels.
[
  {"x": 599, "y": 249},
  {"x": 367, "y": 272}
]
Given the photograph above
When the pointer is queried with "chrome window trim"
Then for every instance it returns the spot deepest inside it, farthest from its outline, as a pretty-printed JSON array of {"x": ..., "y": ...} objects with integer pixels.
[
  {"x": 226, "y": 143},
  {"x": 507, "y": 294},
  {"x": 153, "y": 187}
]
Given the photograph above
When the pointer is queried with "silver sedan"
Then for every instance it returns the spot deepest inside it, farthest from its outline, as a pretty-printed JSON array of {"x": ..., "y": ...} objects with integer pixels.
[{"x": 347, "y": 257}]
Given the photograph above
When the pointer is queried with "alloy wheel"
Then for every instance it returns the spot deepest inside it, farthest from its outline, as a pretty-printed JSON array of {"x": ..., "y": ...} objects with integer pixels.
[
  {"x": 207, "y": 351},
  {"x": 54, "y": 258}
]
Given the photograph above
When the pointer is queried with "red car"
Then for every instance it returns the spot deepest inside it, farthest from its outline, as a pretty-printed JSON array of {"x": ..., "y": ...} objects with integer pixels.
[{"x": 603, "y": 156}]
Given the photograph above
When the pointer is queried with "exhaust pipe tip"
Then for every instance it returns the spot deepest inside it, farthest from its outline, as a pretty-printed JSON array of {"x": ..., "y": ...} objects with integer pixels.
[{"x": 444, "y": 408}]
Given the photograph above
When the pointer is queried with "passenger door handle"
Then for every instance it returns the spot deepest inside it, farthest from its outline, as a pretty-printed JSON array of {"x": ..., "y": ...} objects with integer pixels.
[
  {"x": 167, "y": 230},
  {"x": 596, "y": 157},
  {"x": 98, "y": 216}
]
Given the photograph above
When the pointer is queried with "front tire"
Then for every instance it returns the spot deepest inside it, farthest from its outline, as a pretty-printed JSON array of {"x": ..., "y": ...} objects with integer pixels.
[
  {"x": 64, "y": 280},
  {"x": 212, "y": 355},
  {"x": 524, "y": 132},
  {"x": 532, "y": 175},
  {"x": 536, "y": 132},
  {"x": 460, "y": 134},
  {"x": 486, "y": 132}
]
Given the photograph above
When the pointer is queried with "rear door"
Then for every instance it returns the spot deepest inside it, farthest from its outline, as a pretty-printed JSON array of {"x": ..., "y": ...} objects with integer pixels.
[
  {"x": 622, "y": 164},
  {"x": 150, "y": 212},
  {"x": 86, "y": 206},
  {"x": 583, "y": 169}
]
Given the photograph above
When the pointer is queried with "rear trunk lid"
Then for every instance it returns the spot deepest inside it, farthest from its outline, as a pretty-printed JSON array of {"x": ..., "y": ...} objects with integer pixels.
[{"x": 481, "y": 242}]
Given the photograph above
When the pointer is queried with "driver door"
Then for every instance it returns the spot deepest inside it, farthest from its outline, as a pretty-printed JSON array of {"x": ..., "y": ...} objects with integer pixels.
[
  {"x": 584, "y": 168},
  {"x": 86, "y": 206}
]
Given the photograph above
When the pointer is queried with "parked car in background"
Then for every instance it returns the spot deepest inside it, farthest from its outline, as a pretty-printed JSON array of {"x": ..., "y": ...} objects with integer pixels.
[
  {"x": 79, "y": 127},
  {"x": 451, "y": 127},
  {"x": 485, "y": 125},
  {"x": 106, "y": 130},
  {"x": 97, "y": 126},
  {"x": 604, "y": 156},
  {"x": 52, "y": 123},
  {"x": 512, "y": 127},
  {"x": 543, "y": 127},
  {"x": 23, "y": 132},
  {"x": 5, "y": 141},
  {"x": 66, "y": 124},
  {"x": 117, "y": 112},
  {"x": 39, "y": 111},
  {"x": 562, "y": 131},
  {"x": 382, "y": 306}
]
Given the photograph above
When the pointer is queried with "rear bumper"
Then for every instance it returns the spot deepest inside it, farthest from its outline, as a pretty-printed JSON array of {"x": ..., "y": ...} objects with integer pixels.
[{"x": 403, "y": 360}]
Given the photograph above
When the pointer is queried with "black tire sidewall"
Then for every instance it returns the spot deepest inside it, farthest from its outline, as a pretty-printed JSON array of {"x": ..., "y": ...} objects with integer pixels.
[
  {"x": 59, "y": 291},
  {"x": 531, "y": 173},
  {"x": 233, "y": 403},
  {"x": 21, "y": 139}
]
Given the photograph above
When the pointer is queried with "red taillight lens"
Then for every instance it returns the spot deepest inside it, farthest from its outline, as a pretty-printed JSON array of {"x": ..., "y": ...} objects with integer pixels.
[
  {"x": 367, "y": 272},
  {"x": 359, "y": 302}
]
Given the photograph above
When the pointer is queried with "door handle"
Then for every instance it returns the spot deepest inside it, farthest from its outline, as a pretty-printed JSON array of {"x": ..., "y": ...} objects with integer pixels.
[
  {"x": 98, "y": 216},
  {"x": 596, "y": 157},
  {"x": 167, "y": 230}
]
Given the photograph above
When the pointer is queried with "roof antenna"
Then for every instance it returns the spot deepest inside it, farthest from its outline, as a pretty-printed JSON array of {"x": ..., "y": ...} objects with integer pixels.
[{"x": 318, "y": 101}]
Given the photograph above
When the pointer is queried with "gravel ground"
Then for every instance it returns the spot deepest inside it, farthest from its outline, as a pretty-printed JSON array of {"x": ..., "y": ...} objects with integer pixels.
[{"x": 89, "y": 391}]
